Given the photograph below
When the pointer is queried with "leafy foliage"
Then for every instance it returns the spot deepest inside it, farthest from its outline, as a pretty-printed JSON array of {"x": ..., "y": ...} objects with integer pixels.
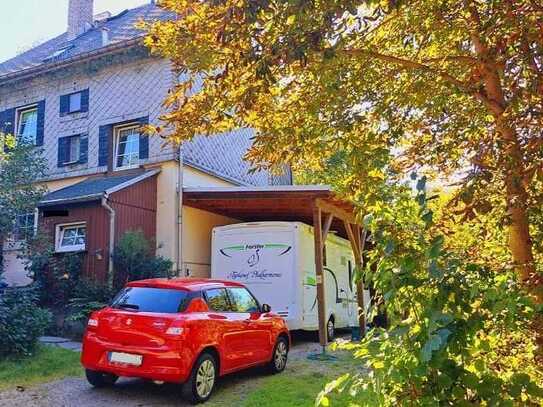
[
  {"x": 134, "y": 259},
  {"x": 459, "y": 331},
  {"x": 451, "y": 87},
  {"x": 22, "y": 321},
  {"x": 360, "y": 93},
  {"x": 21, "y": 165},
  {"x": 55, "y": 275},
  {"x": 88, "y": 296}
]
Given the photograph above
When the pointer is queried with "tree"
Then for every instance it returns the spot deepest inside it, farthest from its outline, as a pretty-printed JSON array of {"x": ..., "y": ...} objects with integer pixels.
[
  {"x": 21, "y": 167},
  {"x": 454, "y": 87}
]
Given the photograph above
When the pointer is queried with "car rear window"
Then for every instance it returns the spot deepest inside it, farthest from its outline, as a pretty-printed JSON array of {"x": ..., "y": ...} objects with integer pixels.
[{"x": 150, "y": 299}]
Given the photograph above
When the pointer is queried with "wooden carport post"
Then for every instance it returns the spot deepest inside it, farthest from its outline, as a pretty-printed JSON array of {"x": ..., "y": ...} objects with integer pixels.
[
  {"x": 356, "y": 238},
  {"x": 319, "y": 269}
]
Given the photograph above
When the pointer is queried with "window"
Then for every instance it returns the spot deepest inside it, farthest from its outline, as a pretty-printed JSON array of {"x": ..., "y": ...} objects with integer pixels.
[
  {"x": 72, "y": 150},
  {"x": 24, "y": 226},
  {"x": 75, "y": 143},
  {"x": 217, "y": 300},
  {"x": 75, "y": 102},
  {"x": 243, "y": 300},
  {"x": 149, "y": 299},
  {"x": 71, "y": 237},
  {"x": 127, "y": 147},
  {"x": 27, "y": 124}
]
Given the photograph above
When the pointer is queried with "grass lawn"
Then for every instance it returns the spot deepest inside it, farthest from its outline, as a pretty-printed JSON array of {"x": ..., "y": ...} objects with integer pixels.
[
  {"x": 297, "y": 386},
  {"x": 47, "y": 364}
]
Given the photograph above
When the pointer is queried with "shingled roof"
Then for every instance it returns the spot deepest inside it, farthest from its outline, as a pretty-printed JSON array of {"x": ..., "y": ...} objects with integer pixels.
[
  {"x": 121, "y": 28},
  {"x": 94, "y": 188}
]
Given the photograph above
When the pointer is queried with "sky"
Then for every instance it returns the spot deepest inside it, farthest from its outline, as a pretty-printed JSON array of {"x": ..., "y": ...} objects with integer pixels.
[{"x": 32, "y": 22}]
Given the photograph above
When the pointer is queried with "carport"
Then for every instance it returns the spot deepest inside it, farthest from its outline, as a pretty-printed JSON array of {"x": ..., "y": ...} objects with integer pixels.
[{"x": 314, "y": 205}]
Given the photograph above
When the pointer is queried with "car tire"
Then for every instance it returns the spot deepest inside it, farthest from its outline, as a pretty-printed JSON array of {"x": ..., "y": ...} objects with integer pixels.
[
  {"x": 99, "y": 379},
  {"x": 279, "y": 356},
  {"x": 201, "y": 382},
  {"x": 330, "y": 330}
]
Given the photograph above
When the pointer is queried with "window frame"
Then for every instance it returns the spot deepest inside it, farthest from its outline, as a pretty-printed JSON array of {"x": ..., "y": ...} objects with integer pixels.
[
  {"x": 116, "y": 137},
  {"x": 59, "y": 236},
  {"x": 14, "y": 238},
  {"x": 74, "y": 160},
  {"x": 18, "y": 115}
]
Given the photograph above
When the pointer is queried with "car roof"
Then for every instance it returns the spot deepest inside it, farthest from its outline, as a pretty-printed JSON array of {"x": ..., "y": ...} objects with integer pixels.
[{"x": 188, "y": 284}]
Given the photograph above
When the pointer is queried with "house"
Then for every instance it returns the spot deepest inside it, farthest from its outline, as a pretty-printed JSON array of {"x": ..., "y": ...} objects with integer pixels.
[{"x": 82, "y": 97}]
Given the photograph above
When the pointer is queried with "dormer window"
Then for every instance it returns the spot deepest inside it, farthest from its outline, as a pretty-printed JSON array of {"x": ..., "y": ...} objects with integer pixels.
[{"x": 57, "y": 55}]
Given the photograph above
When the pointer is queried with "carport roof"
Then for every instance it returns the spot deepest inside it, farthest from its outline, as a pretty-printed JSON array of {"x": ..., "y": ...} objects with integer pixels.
[{"x": 292, "y": 203}]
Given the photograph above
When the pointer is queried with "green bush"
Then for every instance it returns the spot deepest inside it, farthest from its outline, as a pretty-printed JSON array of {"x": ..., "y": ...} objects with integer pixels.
[
  {"x": 56, "y": 275},
  {"x": 22, "y": 321},
  {"x": 134, "y": 259},
  {"x": 88, "y": 296},
  {"x": 460, "y": 331}
]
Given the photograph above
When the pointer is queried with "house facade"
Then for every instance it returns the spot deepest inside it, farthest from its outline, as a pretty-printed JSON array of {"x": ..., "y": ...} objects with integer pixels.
[{"x": 83, "y": 98}]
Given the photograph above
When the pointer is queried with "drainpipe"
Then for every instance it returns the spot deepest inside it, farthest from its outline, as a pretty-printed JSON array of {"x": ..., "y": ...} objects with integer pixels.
[
  {"x": 111, "y": 212},
  {"x": 179, "y": 216}
]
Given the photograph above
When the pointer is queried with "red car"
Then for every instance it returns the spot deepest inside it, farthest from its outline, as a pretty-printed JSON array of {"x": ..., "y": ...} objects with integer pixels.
[{"x": 188, "y": 331}]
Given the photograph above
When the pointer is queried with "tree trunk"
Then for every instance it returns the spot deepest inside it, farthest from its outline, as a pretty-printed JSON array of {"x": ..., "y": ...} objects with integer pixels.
[{"x": 519, "y": 240}]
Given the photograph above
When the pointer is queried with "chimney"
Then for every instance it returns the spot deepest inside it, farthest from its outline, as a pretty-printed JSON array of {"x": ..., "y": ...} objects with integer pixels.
[{"x": 80, "y": 17}]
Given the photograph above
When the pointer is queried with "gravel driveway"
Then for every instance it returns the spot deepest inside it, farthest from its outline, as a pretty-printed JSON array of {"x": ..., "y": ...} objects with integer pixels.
[{"x": 77, "y": 392}]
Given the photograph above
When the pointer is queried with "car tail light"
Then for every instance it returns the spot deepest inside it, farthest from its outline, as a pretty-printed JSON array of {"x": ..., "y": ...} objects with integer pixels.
[{"x": 177, "y": 330}]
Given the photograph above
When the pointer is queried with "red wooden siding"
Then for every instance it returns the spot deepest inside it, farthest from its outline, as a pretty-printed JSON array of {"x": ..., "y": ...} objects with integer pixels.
[
  {"x": 97, "y": 220},
  {"x": 135, "y": 209}
]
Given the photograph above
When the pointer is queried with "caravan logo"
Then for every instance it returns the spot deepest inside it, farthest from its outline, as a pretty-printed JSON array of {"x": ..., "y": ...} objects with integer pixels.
[
  {"x": 252, "y": 255},
  {"x": 280, "y": 248}
]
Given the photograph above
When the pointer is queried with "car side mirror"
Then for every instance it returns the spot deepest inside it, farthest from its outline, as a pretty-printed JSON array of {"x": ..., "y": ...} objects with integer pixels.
[{"x": 265, "y": 308}]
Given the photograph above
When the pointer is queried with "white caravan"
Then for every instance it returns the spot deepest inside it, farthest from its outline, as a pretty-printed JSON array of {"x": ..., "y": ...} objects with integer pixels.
[{"x": 276, "y": 261}]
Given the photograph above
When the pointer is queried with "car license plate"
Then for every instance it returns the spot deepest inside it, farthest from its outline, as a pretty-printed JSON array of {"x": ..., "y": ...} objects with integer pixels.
[{"x": 126, "y": 358}]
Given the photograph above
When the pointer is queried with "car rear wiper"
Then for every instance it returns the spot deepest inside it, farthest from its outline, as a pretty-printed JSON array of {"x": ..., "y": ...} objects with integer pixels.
[{"x": 125, "y": 305}]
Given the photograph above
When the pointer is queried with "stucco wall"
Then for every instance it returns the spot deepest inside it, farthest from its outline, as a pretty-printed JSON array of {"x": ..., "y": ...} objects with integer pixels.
[{"x": 197, "y": 224}]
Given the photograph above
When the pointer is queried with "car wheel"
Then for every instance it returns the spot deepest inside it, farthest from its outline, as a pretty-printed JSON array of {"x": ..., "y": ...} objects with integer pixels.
[
  {"x": 99, "y": 379},
  {"x": 280, "y": 356},
  {"x": 200, "y": 385},
  {"x": 330, "y": 330}
]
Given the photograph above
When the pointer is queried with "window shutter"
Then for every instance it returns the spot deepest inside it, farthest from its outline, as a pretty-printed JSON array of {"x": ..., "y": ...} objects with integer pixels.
[
  {"x": 41, "y": 123},
  {"x": 64, "y": 105},
  {"x": 83, "y": 149},
  {"x": 144, "y": 139},
  {"x": 63, "y": 151},
  {"x": 85, "y": 100},
  {"x": 105, "y": 133},
  {"x": 7, "y": 123}
]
